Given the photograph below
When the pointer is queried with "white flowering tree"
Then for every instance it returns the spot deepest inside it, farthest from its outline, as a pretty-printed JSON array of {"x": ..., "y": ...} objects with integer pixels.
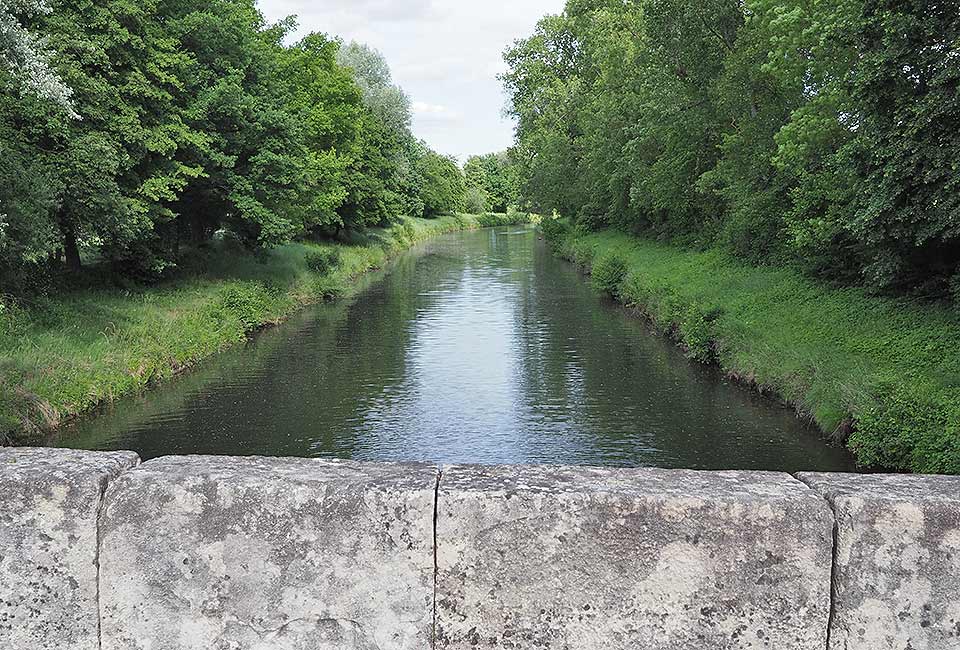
[{"x": 25, "y": 55}]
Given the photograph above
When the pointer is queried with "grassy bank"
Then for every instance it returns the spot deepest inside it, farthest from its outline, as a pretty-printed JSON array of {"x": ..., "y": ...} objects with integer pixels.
[
  {"x": 883, "y": 374},
  {"x": 64, "y": 355}
]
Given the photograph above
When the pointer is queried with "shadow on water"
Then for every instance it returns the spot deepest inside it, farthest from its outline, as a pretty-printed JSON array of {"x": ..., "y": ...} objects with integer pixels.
[{"x": 476, "y": 347}]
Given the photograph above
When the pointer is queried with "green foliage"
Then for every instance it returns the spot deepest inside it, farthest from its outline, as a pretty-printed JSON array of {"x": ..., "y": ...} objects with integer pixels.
[
  {"x": 197, "y": 121},
  {"x": 555, "y": 231},
  {"x": 475, "y": 201},
  {"x": 328, "y": 289},
  {"x": 608, "y": 271},
  {"x": 65, "y": 355},
  {"x": 910, "y": 426},
  {"x": 12, "y": 319},
  {"x": 324, "y": 261},
  {"x": 443, "y": 189},
  {"x": 512, "y": 218},
  {"x": 890, "y": 366},
  {"x": 697, "y": 334},
  {"x": 580, "y": 251},
  {"x": 492, "y": 183},
  {"x": 824, "y": 135},
  {"x": 248, "y": 303}
]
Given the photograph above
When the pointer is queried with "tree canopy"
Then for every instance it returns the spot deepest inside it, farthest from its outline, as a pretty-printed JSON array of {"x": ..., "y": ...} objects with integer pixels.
[
  {"x": 132, "y": 132},
  {"x": 821, "y": 134},
  {"x": 493, "y": 181}
]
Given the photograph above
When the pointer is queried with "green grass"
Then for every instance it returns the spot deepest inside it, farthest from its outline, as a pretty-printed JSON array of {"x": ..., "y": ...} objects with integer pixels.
[
  {"x": 63, "y": 356},
  {"x": 886, "y": 371}
]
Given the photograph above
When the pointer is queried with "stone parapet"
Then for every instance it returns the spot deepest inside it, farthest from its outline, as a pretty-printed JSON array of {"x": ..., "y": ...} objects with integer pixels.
[{"x": 98, "y": 552}]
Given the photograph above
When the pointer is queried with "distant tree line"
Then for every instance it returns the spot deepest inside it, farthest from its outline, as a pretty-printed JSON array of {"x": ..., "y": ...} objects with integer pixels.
[
  {"x": 493, "y": 183},
  {"x": 130, "y": 131},
  {"x": 822, "y": 134}
]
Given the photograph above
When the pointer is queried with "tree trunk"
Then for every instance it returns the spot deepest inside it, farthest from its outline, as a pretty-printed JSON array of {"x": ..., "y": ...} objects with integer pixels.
[
  {"x": 198, "y": 231},
  {"x": 70, "y": 248}
]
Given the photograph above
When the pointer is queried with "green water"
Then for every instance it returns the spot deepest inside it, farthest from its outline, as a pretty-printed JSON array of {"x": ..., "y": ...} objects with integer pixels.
[{"x": 478, "y": 347}]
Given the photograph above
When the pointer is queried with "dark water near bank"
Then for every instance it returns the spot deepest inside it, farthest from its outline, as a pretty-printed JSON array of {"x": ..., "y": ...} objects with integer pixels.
[{"x": 477, "y": 347}]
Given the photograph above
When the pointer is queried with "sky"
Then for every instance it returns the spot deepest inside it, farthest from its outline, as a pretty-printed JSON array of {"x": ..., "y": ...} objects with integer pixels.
[{"x": 446, "y": 54}]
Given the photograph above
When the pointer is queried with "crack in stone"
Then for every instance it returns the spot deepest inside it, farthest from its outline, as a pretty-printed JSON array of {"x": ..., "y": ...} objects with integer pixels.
[
  {"x": 834, "y": 573},
  {"x": 104, "y": 484},
  {"x": 436, "y": 565}
]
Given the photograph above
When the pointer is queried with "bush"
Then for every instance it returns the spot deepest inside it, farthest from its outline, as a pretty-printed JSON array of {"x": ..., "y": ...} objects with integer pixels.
[
  {"x": 491, "y": 219},
  {"x": 554, "y": 230},
  {"x": 328, "y": 289},
  {"x": 580, "y": 251},
  {"x": 696, "y": 331},
  {"x": 13, "y": 319},
  {"x": 608, "y": 272},
  {"x": 324, "y": 261},
  {"x": 514, "y": 216},
  {"x": 248, "y": 303},
  {"x": 403, "y": 235},
  {"x": 476, "y": 202},
  {"x": 910, "y": 428}
]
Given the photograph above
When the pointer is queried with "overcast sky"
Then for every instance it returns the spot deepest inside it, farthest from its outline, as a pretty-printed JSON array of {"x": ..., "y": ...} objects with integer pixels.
[{"x": 445, "y": 53}]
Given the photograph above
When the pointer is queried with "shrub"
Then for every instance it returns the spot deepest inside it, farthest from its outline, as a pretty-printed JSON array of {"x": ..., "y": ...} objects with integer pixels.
[
  {"x": 248, "y": 303},
  {"x": 328, "y": 289},
  {"x": 608, "y": 272},
  {"x": 13, "y": 319},
  {"x": 554, "y": 228},
  {"x": 696, "y": 331},
  {"x": 404, "y": 234},
  {"x": 324, "y": 261},
  {"x": 910, "y": 429},
  {"x": 580, "y": 251},
  {"x": 462, "y": 221},
  {"x": 476, "y": 202},
  {"x": 491, "y": 219}
]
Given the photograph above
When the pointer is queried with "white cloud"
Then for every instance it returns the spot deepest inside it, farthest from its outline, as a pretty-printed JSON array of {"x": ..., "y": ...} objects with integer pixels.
[
  {"x": 445, "y": 54},
  {"x": 424, "y": 113}
]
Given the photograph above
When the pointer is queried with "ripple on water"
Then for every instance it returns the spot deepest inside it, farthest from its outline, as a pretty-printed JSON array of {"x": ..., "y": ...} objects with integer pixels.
[{"x": 477, "y": 348}]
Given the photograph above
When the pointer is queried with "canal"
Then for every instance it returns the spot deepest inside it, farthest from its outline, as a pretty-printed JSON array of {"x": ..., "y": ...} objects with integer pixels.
[{"x": 476, "y": 347}]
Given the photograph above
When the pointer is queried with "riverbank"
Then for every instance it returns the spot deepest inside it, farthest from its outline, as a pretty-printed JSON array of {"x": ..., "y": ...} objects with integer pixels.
[
  {"x": 882, "y": 375},
  {"x": 66, "y": 355}
]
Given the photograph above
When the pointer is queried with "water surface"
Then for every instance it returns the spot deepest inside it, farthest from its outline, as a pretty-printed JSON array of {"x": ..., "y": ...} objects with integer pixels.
[{"x": 477, "y": 347}]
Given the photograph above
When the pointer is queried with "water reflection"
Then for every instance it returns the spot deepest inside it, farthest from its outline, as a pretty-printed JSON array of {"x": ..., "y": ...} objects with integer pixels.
[{"x": 477, "y": 347}]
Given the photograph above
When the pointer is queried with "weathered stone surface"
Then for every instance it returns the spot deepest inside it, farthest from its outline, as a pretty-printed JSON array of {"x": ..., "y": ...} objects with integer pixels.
[
  {"x": 231, "y": 554},
  {"x": 897, "y": 561},
  {"x": 49, "y": 499},
  {"x": 583, "y": 559}
]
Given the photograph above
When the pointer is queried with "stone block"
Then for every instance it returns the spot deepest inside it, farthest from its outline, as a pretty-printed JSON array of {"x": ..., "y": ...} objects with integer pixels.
[
  {"x": 49, "y": 500},
  {"x": 608, "y": 559},
  {"x": 282, "y": 554},
  {"x": 897, "y": 561}
]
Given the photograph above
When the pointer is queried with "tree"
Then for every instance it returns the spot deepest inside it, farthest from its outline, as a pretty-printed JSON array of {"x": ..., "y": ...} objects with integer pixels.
[
  {"x": 492, "y": 181},
  {"x": 544, "y": 85},
  {"x": 330, "y": 112},
  {"x": 251, "y": 153},
  {"x": 444, "y": 189},
  {"x": 821, "y": 134},
  {"x": 372, "y": 73},
  {"x": 907, "y": 144},
  {"x": 196, "y": 119},
  {"x": 114, "y": 165},
  {"x": 389, "y": 146},
  {"x": 25, "y": 56}
]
